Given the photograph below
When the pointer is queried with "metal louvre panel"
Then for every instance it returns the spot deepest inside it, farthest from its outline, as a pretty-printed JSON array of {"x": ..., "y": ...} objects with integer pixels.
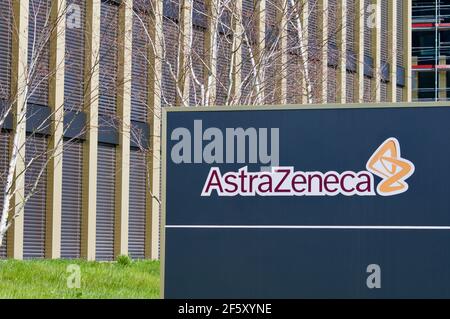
[
  {"x": 109, "y": 17},
  {"x": 350, "y": 86},
  {"x": 350, "y": 37},
  {"x": 367, "y": 89},
  {"x": 313, "y": 28},
  {"x": 293, "y": 74},
  {"x": 399, "y": 94},
  {"x": 223, "y": 68},
  {"x": 139, "y": 80},
  {"x": 4, "y": 161},
  {"x": 246, "y": 65},
  {"x": 198, "y": 53},
  {"x": 105, "y": 202},
  {"x": 34, "y": 216},
  {"x": 159, "y": 211},
  {"x": 198, "y": 56},
  {"x": 332, "y": 22},
  {"x": 350, "y": 26},
  {"x": 384, "y": 29},
  {"x": 137, "y": 210},
  {"x": 400, "y": 60},
  {"x": 384, "y": 91},
  {"x": 38, "y": 50},
  {"x": 71, "y": 199},
  {"x": 332, "y": 84},
  {"x": 367, "y": 29},
  {"x": 74, "y": 63},
  {"x": 170, "y": 31},
  {"x": 247, "y": 8},
  {"x": 314, "y": 51},
  {"x": 5, "y": 51},
  {"x": 269, "y": 83},
  {"x": 246, "y": 68}
]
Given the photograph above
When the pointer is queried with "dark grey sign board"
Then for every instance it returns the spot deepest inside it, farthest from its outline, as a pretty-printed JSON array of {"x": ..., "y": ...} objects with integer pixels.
[{"x": 291, "y": 202}]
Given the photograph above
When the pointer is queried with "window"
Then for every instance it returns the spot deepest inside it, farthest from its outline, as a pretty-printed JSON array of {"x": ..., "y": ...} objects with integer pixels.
[
  {"x": 423, "y": 10},
  {"x": 426, "y": 84}
]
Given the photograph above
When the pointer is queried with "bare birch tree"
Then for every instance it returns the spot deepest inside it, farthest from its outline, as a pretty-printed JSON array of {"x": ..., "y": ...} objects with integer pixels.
[
  {"x": 44, "y": 20},
  {"x": 230, "y": 65},
  {"x": 254, "y": 85}
]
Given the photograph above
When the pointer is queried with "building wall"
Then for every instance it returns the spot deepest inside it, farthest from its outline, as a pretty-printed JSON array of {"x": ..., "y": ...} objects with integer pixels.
[
  {"x": 102, "y": 189},
  {"x": 431, "y": 50}
]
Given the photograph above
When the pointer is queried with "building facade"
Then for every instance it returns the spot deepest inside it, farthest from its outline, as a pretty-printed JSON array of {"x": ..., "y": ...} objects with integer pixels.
[
  {"x": 82, "y": 84},
  {"x": 431, "y": 48}
]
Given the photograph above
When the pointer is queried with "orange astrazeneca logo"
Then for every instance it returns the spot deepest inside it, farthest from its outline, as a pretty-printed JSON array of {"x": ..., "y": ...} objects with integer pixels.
[{"x": 387, "y": 163}]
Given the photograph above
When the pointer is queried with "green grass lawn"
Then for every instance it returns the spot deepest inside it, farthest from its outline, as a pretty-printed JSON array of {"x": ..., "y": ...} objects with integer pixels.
[{"x": 48, "y": 279}]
